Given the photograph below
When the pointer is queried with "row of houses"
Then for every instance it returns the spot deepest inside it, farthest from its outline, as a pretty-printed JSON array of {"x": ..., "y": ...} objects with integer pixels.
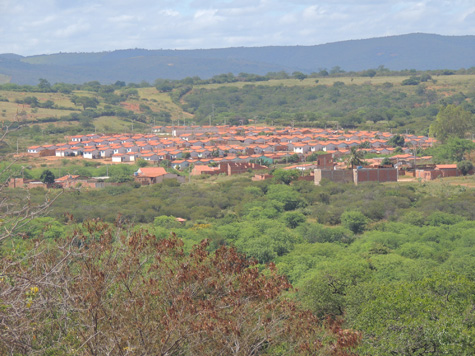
[{"x": 236, "y": 144}]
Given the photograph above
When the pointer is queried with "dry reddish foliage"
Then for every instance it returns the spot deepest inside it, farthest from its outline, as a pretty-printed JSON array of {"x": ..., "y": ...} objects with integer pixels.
[{"x": 109, "y": 293}]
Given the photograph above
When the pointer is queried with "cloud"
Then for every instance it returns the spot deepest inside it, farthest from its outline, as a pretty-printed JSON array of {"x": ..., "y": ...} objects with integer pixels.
[
  {"x": 72, "y": 30},
  {"x": 29, "y": 27}
]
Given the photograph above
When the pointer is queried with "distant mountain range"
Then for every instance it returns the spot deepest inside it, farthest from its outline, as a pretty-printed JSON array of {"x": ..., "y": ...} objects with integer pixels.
[{"x": 412, "y": 51}]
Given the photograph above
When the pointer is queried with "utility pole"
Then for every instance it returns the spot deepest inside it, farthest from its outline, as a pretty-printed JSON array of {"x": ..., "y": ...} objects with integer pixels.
[
  {"x": 415, "y": 156},
  {"x": 212, "y": 112}
]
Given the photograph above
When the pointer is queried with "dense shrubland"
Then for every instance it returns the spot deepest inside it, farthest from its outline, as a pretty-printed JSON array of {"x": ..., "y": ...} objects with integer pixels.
[{"x": 395, "y": 262}]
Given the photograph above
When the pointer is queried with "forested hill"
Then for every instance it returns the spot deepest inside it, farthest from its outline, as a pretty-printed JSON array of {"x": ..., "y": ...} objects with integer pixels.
[{"x": 412, "y": 51}]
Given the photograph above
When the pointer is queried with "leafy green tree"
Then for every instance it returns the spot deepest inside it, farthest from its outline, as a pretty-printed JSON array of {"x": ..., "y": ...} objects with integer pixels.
[
  {"x": 293, "y": 158},
  {"x": 325, "y": 291},
  {"x": 365, "y": 144},
  {"x": 299, "y": 75},
  {"x": 285, "y": 176},
  {"x": 30, "y": 100},
  {"x": 286, "y": 195},
  {"x": 354, "y": 221},
  {"x": 85, "y": 101},
  {"x": 167, "y": 222},
  {"x": 411, "y": 81},
  {"x": 164, "y": 86},
  {"x": 386, "y": 162},
  {"x": 451, "y": 121},
  {"x": 426, "y": 77},
  {"x": 454, "y": 149},
  {"x": 432, "y": 316},
  {"x": 47, "y": 176},
  {"x": 396, "y": 141},
  {"x": 369, "y": 73},
  {"x": 293, "y": 219},
  {"x": 44, "y": 85},
  {"x": 464, "y": 167},
  {"x": 142, "y": 163},
  {"x": 165, "y": 163}
]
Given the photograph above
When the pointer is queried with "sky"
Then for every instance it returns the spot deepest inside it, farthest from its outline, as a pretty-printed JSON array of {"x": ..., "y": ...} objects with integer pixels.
[{"x": 30, "y": 27}]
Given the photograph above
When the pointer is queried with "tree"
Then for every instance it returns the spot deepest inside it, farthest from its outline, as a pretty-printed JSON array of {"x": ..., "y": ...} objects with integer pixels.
[
  {"x": 165, "y": 163},
  {"x": 464, "y": 167},
  {"x": 451, "y": 121},
  {"x": 293, "y": 219},
  {"x": 356, "y": 157},
  {"x": 85, "y": 101},
  {"x": 47, "y": 177},
  {"x": 429, "y": 316},
  {"x": 411, "y": 81},
  {"x": 285, "y": 176},
  {"x": 354, "y": 221},
  {"x": 141, "y": 162},
  {"x": 299, "y": 75},
  {"x": 454, "y": 149},
  {"x": 285, "y": 195},
  {"x": 397, "y": 141},
  {"x": 44, "y": 85},
  {"x": 369, "y": 73},
  {"x": 386, "y": 162},
  {"x": 164, "y": 86},
  {"x": 294, "y": 158}
]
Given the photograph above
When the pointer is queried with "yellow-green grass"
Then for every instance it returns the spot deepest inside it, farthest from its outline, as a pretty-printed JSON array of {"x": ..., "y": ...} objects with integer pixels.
[
  {"x": 162, "y": 102},
  {"x": 112, "y": 124},
  {"x": 440, "y": 186},
  {"x": 456, "y": 81},
  {"x": 12, "y": 111}
]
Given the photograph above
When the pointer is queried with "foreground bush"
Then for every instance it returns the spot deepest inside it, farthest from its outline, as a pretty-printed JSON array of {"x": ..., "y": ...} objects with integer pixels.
[{"x": 104, "y": 291}]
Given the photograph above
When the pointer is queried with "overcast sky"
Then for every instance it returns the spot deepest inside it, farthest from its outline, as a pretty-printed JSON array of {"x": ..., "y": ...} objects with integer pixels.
[{"x": 29, "y": 27}]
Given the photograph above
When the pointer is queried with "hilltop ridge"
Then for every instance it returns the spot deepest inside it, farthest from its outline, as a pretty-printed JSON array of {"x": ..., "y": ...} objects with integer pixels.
[{"x": 412, "y": 51}]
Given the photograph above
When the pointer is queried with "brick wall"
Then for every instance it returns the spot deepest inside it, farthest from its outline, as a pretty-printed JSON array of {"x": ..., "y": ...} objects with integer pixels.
[
  {"x": 342, "y": 176},
  {"x": 375, "y": 175},
  {"x": 356, "y": 175},
  {"x": 435, "y": 173}
]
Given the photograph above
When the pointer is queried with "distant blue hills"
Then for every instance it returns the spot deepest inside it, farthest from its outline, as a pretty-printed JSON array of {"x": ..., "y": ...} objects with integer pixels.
[{"x": 412, "y": 51}]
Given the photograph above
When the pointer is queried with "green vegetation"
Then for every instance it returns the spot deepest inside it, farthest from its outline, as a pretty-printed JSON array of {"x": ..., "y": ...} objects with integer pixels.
[
  {"x": 389, "y": 259},
  {"x": 452, "y": 121}
]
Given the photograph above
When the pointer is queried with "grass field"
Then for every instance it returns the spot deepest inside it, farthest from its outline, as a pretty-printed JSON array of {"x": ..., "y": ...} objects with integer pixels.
[
  {"x": 11, "y": 110},
  {"x": 162, "y": 102},
  {"x": 113, "y": 124},
  {"x": 459, "y": 82}
]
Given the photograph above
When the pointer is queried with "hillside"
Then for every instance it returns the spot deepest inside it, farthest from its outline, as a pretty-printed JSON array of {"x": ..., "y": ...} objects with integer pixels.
[
  {"x": 378, "y": 103},
  {"x": 418, "y": 51}
]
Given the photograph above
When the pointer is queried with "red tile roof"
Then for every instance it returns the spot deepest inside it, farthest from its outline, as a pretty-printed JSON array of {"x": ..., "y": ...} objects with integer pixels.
[{"x": 152, "y": 172}]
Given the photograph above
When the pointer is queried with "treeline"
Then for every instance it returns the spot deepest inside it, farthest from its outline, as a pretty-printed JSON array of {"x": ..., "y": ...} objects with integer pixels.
[
  {"x": 348, "y": 106},
  {"x": 44, "y": 86}
]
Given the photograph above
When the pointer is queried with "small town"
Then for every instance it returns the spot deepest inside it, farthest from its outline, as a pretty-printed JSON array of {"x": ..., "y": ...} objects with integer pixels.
[{"x": 230, "y": 150}]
